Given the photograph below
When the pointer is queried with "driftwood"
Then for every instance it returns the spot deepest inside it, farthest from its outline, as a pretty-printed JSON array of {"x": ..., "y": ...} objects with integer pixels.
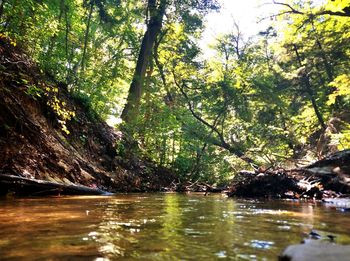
[
  {"x": 33, "y": 187},
  {"x": 336, "y": 163},
  {"x": 329, "y": 177},
  {"x": 196, "y": 186}
]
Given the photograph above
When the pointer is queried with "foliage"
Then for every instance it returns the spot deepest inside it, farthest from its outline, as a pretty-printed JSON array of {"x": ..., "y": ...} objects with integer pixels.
[
  {"x": 341, "y": 89},
  {"x": 34, "y": 91},
  {"x": 259, "y": 101}
]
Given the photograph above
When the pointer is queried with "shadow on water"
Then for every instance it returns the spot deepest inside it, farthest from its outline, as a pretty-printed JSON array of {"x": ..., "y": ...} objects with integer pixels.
[{"x": 159, "y": 227}]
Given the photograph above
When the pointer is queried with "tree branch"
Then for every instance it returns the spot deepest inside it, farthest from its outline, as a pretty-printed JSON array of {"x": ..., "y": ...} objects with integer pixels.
[
  {"x": 344, "y": 13},
  {"x": 234, "y": 149},
  {"x": 291, "y": 9}
]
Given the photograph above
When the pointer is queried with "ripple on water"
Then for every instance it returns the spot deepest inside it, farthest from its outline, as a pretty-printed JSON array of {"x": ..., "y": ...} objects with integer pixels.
[
  {"x": 160, "y": 227},
  {"x": 268, "y": 212},
  {"x": 260, "y": 244},
  {"x": 246, "y": 257},
  {"x": 286, "y": 228},
  {"x": 221, "y": 254}
]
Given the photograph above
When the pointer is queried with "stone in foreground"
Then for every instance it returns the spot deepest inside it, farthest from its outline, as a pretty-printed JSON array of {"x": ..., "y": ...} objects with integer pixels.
[{"x": 316, "y": 250}]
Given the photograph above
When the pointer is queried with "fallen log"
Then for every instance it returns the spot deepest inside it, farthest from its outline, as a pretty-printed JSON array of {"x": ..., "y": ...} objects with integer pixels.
[
  {"x": 340, "y": 159},
  {"x": 329, "y": 177},
  {"x": 335, "y": 164},
  {"x": 32, "y": 187}
]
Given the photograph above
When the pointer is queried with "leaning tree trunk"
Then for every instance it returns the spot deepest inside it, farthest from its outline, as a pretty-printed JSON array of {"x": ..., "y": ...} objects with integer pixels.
[
  {"x": 86, "y": 38},
  {"x": 305, "y": 80},
  {"x": 2, "y": 3},
  {"x": 154, "y": 26}
]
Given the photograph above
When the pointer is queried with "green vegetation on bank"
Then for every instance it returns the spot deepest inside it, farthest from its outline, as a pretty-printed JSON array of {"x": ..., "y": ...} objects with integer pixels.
[{"x": 280, "y": 96}]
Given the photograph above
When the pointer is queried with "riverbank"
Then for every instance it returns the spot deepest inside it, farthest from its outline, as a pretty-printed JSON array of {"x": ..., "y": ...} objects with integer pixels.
[{"x": 48, "y": 134}]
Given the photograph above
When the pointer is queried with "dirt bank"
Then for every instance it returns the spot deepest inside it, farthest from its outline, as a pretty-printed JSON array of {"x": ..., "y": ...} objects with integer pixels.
[{"x": 45, "y": 134}]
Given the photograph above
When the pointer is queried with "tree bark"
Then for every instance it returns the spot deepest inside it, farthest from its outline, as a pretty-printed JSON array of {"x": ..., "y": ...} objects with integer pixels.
[
  {"x": 2, "y": 2},
  {"x": 66, "y": 31},
  {"x": 154, "y": 26},
  {"x": 345, "y": 12},
  {"x": 219, "y": 141},
  {"x": 308, "y": 88},
  {"x": 169, "y": 97},
  {"x": 86, "y": 36}
]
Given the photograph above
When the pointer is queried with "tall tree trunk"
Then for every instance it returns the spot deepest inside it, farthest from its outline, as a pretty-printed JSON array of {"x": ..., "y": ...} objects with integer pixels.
[
  {"x": 173, "y": 149},
  {"x": 154, "y": 26},
  {"x": 2, "y": 2},
  {"x": 66, "y": 31},
  {"x": 310, "y": 92},
  {"x": 169, "y": 98},
  {"x": 53, "y": 39},
  {"x": 308, "y": 88},
  {"x": 163, "y": 150},
  {"x": 86, "y": 36},
  {"x": 326, "y": 63},
  {"x": 196, "y": 168},
  {"x": 148, "y": 107}
]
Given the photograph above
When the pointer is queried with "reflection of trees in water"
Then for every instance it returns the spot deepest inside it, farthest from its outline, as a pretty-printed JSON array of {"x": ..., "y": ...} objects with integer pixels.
[
  {"x": 178, "y": 227},
  {"x": 308, "y": 216},
  {"x": 138, "y": 225},
  {"x": 118, "y": 229},
  {"x": 197, "y": 226},
  {"x": 172, "y": 225}
]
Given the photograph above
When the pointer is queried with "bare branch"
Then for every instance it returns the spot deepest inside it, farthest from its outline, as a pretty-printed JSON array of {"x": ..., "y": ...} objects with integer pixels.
[
  {"x": 328, "y": 12},
  {"x": 220, "y": 142},
  {"x": 344, "y": 13},
  {"x": 291, "y": 9}
]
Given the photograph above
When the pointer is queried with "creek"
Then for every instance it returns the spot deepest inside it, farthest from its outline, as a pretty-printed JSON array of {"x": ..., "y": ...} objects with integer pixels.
[{"x": 160, "y": 227}]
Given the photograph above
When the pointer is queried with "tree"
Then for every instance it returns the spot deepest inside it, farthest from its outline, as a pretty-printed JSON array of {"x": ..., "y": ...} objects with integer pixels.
[{"x": 156, "y": 13}]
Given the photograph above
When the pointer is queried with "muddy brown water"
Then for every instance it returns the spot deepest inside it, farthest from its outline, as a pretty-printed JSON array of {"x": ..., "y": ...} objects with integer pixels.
[{"x": 159, "y": 227}]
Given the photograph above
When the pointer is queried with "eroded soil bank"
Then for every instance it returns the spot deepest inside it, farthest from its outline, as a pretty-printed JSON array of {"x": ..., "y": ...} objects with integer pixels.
[{"x": 46, "y": 134}]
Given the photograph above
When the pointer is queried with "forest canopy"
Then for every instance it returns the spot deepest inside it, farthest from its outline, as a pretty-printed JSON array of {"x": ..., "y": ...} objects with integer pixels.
[{"x": 279, "y": 98}]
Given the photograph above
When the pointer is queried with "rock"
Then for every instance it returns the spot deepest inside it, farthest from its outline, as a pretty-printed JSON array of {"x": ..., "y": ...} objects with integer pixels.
[{"x": 314, "y": 250}]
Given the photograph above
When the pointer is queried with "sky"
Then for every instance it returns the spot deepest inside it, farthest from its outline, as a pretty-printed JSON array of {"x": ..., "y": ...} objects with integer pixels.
[{"x": 246, "y": 13}]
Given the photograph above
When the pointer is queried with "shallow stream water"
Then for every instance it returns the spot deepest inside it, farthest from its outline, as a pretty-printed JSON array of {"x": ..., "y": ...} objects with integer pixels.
[{"x": 159, "y": 227}]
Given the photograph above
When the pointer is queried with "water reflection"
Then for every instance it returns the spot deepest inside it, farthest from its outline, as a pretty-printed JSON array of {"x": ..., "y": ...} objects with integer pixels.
[{"x": 159, "y": 227}]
